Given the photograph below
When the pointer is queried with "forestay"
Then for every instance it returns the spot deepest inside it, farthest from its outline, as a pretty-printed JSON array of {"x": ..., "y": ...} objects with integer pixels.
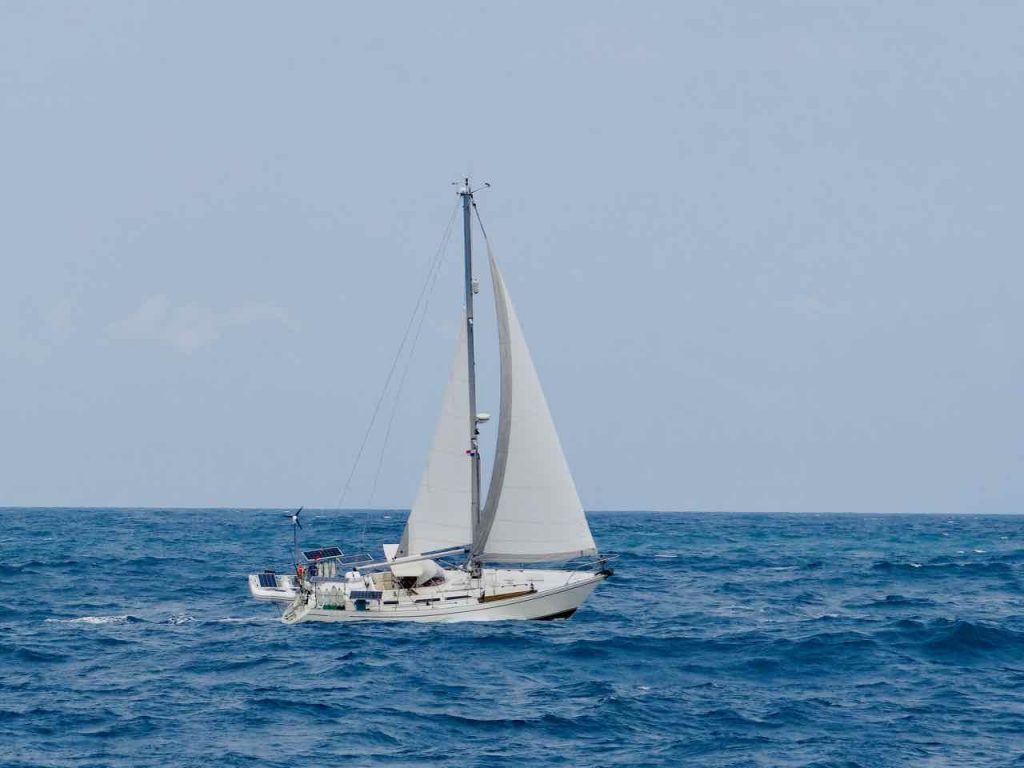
[
  {"x": 533, "y": 512},
  {"x": 440, "y": 515}
]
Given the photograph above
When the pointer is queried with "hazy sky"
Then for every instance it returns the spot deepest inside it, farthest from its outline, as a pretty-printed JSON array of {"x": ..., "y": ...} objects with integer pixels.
[{"x": 768, "y": 255}]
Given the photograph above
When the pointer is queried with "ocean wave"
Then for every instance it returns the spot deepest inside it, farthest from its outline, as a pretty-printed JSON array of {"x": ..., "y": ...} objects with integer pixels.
[
  {"x": 896, "y": 602},
  {"x": 487, "y": 720},
  {"x": 180, "y": 618},
  {"x": 966, "y": 637},
  {"x": 123, "y": 618},
  {"x": 824, "y": 646},
  {"x": 29, "y": 566},
  {"x": 30, "y": 713},
  {"x": 727, "y": 716},
  {"x": 221, "y": 663},
  {"x": 764, "y": 640},
  {"x": 268, "y": 619},
  {"x": 152, "y": 561},
  {"x": 942, "y": 568},
  {"x": 135, "y": 726},
  {"x": 954, "y": 639},
  {"x": 21, "y": 653},
  {"x": 311, "y": 706},
  {"x": 888, "y": 565}
]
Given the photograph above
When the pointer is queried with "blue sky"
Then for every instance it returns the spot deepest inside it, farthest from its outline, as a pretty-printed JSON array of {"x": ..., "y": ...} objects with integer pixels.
[{"x": 767, "y": 254}]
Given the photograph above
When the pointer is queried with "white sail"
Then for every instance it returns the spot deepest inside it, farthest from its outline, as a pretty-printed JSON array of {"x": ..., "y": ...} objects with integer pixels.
[
  {"x": 533, "y": 512},
  {"x": 440, "y": 516}
]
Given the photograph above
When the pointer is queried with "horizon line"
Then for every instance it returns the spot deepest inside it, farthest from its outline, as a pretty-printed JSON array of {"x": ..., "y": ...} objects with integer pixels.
[{"x": 235, "y": 508}]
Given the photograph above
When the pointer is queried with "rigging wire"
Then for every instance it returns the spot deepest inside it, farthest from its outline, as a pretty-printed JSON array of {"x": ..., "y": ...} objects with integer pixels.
[
  {"x": 431, "y": 277},
  {"x": 401, "y": 384},
  {"x": 483, "y": 231},
  {"x": 405, "y": 372},
  {"x": 438, "y": 263}
]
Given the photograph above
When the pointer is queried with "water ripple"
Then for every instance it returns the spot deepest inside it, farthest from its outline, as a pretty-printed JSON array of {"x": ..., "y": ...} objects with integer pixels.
[{"x": 724, "y": 640}]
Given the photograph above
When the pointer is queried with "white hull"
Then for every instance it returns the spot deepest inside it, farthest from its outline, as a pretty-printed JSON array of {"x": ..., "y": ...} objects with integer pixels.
[{"x": 500, "y": 595}]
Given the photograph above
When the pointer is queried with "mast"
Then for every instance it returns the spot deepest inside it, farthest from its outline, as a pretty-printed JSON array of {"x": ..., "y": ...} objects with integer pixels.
[{"x": 466, "y": 193}]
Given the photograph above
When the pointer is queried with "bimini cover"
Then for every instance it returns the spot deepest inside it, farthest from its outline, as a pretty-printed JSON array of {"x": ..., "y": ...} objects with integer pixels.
[{"x": 422, "y": 570}]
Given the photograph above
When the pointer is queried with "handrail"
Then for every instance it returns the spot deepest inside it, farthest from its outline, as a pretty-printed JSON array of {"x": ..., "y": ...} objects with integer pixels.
[
  {"x": 413, "y": 558},
  {"x": 600, "y": 560},
  {"x": 343, "y": 559}
]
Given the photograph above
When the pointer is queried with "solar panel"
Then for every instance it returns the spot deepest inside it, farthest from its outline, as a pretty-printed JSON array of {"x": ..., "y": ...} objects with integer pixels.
[
  {"x": 363, "y": 557},
  {"x": 268, "y": 580},
  {"x": 320, "y": 554}
]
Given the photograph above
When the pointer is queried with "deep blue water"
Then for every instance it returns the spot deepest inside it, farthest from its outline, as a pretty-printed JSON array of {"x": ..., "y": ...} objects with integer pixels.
[{"x": 127, "y": 639}]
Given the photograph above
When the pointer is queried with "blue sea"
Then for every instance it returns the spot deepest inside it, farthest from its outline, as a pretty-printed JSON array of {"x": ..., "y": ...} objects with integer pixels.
[{"x": 127, "y": 638}]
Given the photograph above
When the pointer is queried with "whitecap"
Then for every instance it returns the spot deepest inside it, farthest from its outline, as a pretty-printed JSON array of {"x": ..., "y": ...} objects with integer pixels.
[
  {"x": 181, "y": 618},
  {"x": 123, "y": 618}
]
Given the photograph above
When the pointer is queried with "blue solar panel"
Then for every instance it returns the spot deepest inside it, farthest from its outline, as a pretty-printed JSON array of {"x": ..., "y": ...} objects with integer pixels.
[
  {"x": 363, "y": 557},
  {"x": 320, "y": 554},
  {"x": 268, "y": 580}
]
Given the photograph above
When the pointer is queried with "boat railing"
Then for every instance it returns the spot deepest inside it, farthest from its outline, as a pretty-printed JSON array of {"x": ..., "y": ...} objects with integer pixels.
[
  {"x": 340, "y": 559},
  {"x": 436, "y": 554},
  {"x": 334, "y": 566},
  {"x": 597, "y": 563}
]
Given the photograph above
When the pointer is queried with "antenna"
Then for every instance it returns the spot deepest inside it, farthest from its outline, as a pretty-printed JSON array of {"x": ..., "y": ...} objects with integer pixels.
[{"x": 464, "y": 188}]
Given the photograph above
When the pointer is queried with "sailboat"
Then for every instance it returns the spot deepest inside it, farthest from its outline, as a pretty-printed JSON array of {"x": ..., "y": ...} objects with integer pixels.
[{"x": 526, "y": 552}]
